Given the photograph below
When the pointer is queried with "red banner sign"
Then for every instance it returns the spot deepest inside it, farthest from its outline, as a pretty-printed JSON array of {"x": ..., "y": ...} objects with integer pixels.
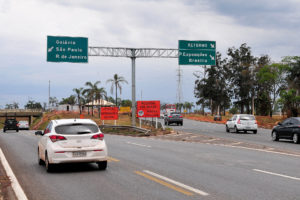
[
  {"x": 109, "y": 113},
  {"x": 148, "y": 108}
]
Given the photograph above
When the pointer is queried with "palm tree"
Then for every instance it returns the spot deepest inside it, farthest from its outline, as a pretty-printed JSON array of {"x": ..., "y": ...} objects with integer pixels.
[
  {"x": 116, "y": 83},
  {"x": 91, "y": 91},
  {"x": 78, "y": 92},
  {"x": 100, "y": 93}
]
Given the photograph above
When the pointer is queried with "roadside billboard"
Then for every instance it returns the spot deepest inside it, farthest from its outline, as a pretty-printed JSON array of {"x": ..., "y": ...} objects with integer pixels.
[
  {"x": 148, "y": 108},
  {"x": 109, "y": 113}
]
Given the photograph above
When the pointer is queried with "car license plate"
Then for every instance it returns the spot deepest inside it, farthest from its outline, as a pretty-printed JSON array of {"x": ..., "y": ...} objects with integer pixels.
[
  {"x": 248, "y": 127},
  {"x": 79, "y": 154}
]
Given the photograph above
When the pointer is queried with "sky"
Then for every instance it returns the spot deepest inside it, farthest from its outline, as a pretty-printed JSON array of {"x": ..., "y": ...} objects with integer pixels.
[{"x": 269, "y": 27}]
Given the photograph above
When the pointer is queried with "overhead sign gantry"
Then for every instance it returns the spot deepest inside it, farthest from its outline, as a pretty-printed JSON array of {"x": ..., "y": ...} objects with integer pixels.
[{"x": 75, "y": 49}]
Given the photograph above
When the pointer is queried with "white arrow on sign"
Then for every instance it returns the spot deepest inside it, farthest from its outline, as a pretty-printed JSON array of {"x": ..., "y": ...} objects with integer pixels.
[
  {"x": 212, "y": 45},
  {"x": 50, "y": 49},
  {"x": 212, "y": 57}
]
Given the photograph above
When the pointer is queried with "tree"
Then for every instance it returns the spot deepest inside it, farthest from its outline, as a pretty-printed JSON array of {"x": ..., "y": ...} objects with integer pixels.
[
  {"x": 293, "y": 76},
  {"x": 79, "y": 98},
  {"x": 272, "y": 77},
  {"x": 33, "y": 105},
  {"x": 213, "y": 90},
  {"x": 240, "y": 64},
  {"x": 126, "y": 103},
  {"x": 69, "y": 100},
  {"x": 116, "y": 82},
  {"x": 290, "y": 102},
  {"x": 53, "y": 101},
  {"x": 91, "y": 91}
]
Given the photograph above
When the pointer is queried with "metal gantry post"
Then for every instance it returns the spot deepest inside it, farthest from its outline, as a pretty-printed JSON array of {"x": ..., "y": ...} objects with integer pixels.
[{"x": 133, "y": 108}]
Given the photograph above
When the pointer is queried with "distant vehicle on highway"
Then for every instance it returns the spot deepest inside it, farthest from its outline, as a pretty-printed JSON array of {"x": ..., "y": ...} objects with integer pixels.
[
  {"x": 11, "y": 124},
  {"x": 288, "y": 129},
  {"x": 72, "y": 141},
  {"x": 173, "y": 118},
  {"x": 242, "y": 122},
  {"x": 23, "y": 125}
]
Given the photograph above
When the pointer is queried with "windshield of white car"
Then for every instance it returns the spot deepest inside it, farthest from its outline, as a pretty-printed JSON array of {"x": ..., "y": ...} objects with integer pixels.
[{"x": 76, "y": 129}]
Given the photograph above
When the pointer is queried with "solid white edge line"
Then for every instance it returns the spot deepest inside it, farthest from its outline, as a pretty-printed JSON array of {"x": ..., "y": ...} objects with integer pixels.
[
  {"x": 177, "y": 183},
  {"x": 281, "y": 175},
  {"x": 14, "y": 181},
  {"x": 141, "y": 145}
]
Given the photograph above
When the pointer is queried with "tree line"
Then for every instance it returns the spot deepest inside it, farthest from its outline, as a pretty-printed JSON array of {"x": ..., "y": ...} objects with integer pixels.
[{"x": 247, "y": 84}]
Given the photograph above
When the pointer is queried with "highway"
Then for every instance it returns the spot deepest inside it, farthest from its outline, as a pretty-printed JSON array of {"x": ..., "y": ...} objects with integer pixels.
[{"x": 150, "y": 168}]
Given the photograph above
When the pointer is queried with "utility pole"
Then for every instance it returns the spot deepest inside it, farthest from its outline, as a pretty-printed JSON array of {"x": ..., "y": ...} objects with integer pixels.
[{"x": 133, "y": 108}]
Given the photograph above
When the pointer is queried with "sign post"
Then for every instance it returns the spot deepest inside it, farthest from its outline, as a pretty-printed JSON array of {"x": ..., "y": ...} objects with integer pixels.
[{"x": 67, "y": 49}]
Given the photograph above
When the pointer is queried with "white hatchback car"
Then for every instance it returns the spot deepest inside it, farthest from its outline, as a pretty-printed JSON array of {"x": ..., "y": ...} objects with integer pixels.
[
  {"x": 72, "y": 141},
  {"x": 242, "y": 122}
]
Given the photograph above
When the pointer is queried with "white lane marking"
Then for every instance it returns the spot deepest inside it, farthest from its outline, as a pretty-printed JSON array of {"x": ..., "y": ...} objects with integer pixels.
[
  {"x": 14, "y": 181},
  {"x": 141, "y": 145},
  {"x": 275, "y": 174},
  {"x": 177, "y": 183}
]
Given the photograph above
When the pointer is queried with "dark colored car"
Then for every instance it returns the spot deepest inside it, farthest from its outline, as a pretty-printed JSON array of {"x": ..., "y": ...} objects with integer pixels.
[
  {"x": 174, "y": 118},
  {"x": 11, "y": 124},
  {"x": 288, "y": 129}
]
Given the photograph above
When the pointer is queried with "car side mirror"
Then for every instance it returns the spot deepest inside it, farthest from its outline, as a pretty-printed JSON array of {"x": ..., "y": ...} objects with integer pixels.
[
  {"x": 39, "y": 133},
  {"x": 279, "y": 123}
]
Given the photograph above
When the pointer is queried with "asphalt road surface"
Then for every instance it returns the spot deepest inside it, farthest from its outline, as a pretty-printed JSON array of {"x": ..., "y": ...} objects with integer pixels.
[
  {"x": 263, "y": 136},
  {"x": 149, "y": 168}
]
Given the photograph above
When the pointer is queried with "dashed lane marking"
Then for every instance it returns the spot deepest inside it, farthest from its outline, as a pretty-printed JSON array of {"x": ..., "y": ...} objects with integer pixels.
[{"x": 141, "y": 145}]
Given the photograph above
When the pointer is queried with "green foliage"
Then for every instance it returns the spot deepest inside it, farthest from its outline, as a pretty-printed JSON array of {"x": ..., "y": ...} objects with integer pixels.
[
  {"x": 126, "y": 103},
  {"x": 290, "y": 102},
  {"x": 69, "y": 100},
  {"x": 116, "y": 83},
  {"x": 33, "y": 105},
  {"x": 233, "y": 110}
]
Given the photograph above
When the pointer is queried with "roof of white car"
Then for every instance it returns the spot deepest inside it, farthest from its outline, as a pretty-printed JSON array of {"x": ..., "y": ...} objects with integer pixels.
[{"x": 70, "y": 121}]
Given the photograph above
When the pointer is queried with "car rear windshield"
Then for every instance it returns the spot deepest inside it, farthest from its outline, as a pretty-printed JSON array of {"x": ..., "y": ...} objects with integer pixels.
[
  {"x": 247, "y": 117},
  {"x": 11, "y": 121},
  {"x": 76, "y": 129}
]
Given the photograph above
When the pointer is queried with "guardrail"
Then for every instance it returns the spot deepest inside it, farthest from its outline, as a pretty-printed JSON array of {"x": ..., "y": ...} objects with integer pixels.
[
  {"x": 142, "y": 130},
  {"x": 20, "y": 110}
]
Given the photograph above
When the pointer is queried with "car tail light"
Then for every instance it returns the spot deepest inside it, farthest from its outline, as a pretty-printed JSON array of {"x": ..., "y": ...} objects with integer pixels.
[
  {"x": 180, "y": 116},
  {"x": 18, "y": 124},
  {"x": 55, "y": 138},
  {"x": 99, "y": 136},
  {"x": 239, "y": 121},
  {"x": 170, "y": 116}
]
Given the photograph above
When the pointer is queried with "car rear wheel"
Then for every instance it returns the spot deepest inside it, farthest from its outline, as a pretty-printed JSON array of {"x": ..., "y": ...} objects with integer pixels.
[
  {"x": 275, "y": 136},
  {"x": 17, "y": 130},
  {"x": 181, "y": 123},
  {"x": 49, "y": 167},
  {"x": 254, "y": 132},
  {"x": 296, "y": 138},
  {"x": 102, "y": 165},
  {"x": 4, "y": 130}
]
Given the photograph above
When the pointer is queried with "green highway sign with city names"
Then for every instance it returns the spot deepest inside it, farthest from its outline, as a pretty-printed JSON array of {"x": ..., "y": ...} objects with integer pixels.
[
  {"x": 67, "y": 49},
  {"x": 196, "y": 52}
]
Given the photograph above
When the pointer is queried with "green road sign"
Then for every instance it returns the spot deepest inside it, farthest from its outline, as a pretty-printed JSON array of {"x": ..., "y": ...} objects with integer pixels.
[
  {"x": 204, "y": 45},
  {"x": 197, "y": 57},
  {"x": 67, "y": 49},
  {"x": 196, "y": 52}
]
